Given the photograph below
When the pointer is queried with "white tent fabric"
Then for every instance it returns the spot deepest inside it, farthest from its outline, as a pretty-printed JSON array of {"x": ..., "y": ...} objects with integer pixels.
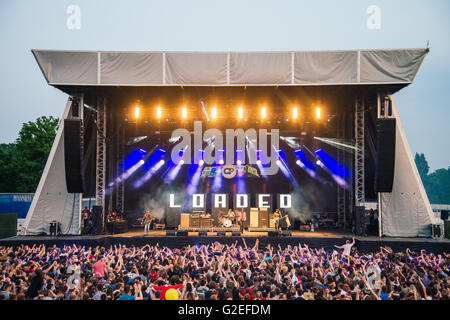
[
  {"x": 390, "y": 65},
  {"x": 51, "y": 200},
  {"x": 270, "y": 68},
  {"x": 326, "y": 67},
  {"x": 202, "y": 68},
  {"x": 131, "y": 67},
  {"x": 406, "y": 211},
  {"x": 60, "y": 66},
  {"x": 396, "y": 66}
]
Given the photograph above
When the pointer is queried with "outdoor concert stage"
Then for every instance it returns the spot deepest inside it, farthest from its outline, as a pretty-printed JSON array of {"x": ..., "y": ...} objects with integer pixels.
[
  {"x": 316, "y": 134},
  {"x": 319, "y": 239}
]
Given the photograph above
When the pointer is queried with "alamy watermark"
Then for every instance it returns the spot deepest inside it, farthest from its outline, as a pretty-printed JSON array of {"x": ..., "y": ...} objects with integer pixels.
[
  {"x": 73, "y": 21},
  {"x": 374, "y": 19},
  {"x": 262, "y": 147}
]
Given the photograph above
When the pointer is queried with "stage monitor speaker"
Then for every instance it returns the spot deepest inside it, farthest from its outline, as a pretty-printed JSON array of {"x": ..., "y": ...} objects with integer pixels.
[
  {"x": 173, "y": 218},
  {"x": 170, "y": 232},
  {"x": 236, "y": 233},
  {"x": 73, "y": 157},
  {"x": 286, "y": 233},
  {"x": 444, "y": 215},
  {"x": 182, "y": 234},
  {"x": 202, "y": 233},
  {"x": 96, "y": 219},
  {"x": 385, "y": 159},
  {"x": 274, "y": 233},
  {"x": 221, "y": 233}
]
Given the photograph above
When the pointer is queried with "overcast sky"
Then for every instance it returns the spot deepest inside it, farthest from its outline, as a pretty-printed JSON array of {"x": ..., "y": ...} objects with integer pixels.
[{"x": 237, "y": 25}]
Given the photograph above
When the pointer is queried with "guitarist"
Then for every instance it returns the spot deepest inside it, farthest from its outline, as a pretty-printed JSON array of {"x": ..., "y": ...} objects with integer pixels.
[
  {"x": 276, "y": 218},
  {"x": 147, "y": 221}
]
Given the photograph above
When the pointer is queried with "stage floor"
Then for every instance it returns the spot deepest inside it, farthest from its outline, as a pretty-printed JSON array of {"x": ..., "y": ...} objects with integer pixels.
[{"x": 322, "y": 238}]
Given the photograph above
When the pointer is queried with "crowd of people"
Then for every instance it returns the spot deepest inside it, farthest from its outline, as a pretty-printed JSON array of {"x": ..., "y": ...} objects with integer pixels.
[{"x": 221, "y": 272}]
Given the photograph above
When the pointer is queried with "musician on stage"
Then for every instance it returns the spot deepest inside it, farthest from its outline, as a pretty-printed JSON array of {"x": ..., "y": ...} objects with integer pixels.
[
  {"x": 276, "y": 218},
  {"x": 232, "y": 216},
  {"x": 241, "y": 218},
  {"x": 147, "y": 221}
]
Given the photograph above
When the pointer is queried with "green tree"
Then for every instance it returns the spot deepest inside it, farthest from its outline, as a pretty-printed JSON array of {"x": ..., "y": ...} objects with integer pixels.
[
  {"x": 22, "y": 162},
  {"x": 437, "y": 184},
  {"x": 422, "y": 165},
  {"x": 8, "y": 170}
]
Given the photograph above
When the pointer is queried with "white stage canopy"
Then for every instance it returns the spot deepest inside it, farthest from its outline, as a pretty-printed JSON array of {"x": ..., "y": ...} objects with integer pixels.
[{"x": 290, "y": 68}]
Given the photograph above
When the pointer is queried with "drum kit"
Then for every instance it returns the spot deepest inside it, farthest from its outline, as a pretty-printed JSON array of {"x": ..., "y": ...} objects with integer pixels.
[{"x": 226, "y": 219}]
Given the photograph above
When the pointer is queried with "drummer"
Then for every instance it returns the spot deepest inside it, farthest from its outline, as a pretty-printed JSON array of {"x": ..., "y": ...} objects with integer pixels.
[{"x": 231, "y": 215}]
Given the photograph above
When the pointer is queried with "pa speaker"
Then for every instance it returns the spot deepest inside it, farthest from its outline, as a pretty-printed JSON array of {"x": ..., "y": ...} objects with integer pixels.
[
  {"x": 444, "y": 215},
  {"x": 274, "y": 233},
  {"x": 96, "y": 217},
  {"x": 447, "y": 229},
  {"x": 73, "y": 157},
  {"x": 221, "y": 233},
  {"x": 170, "y": 232},
  {"x": 202, "y": 233},
  {"x": 236, "y": 233},
  {"x": 359, "y": 219},
  {"x": 385, "y": 162},
  {"x": 182, "y": 233},
  {"x": 8, "y": 225}
]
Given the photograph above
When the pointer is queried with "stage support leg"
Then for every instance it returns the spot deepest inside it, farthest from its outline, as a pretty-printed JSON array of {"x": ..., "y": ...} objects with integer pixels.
[
  {"x": 406, "y": 211},
  {"x": 51, "y": 200}
]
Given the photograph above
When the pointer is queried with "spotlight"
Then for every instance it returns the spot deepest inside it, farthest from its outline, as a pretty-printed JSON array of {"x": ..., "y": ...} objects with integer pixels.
[
  {"x": 161, "y": 161},
  {"x": 181, "y": 161},
  {"x": 318, "y": 162},
  {"x": 159, "y": 112},
  {"x": 214, "y": 113},
  {"x": 136, "y": 112},
  {"x": 295, "y": 113},
  {"x": 317, "y": 113},
  {"x": 278, "y": 162},
  {"x": 258, "y": 162},
  {"x": 184, "y": 112},
  {"x": 142, "y": 162},
  {"x": 239, "y": 162},
  {"x": 298, "y": 162},
  {"x": 240, "y": 112},
  {"x": 221, "y": 161},
  {"x": 201, "y": 162},
  {"x": 263, "y": 112}
]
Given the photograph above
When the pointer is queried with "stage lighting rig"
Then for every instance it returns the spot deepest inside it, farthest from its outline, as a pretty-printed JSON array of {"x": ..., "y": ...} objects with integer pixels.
[{"x": 158, "y": 112}]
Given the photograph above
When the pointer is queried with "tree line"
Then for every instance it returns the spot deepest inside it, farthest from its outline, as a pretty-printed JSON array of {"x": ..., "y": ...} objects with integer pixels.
[{"x": 22, "y": 162}]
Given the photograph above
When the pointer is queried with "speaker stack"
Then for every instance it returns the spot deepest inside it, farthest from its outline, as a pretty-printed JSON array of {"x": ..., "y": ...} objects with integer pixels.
[
  {"x": 73, "y": 157},
  {"x": 385, "y": 160},
  {"x": 96, "y": 217}
]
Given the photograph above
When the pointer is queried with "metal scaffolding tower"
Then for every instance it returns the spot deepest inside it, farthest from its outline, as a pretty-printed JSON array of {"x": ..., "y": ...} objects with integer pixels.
[
  {"x": 120, "y": 190},
  {"x": 341, "y": 200},
  {"x": 359, "y": 153},
  {"x": 101, "y": 157}
]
